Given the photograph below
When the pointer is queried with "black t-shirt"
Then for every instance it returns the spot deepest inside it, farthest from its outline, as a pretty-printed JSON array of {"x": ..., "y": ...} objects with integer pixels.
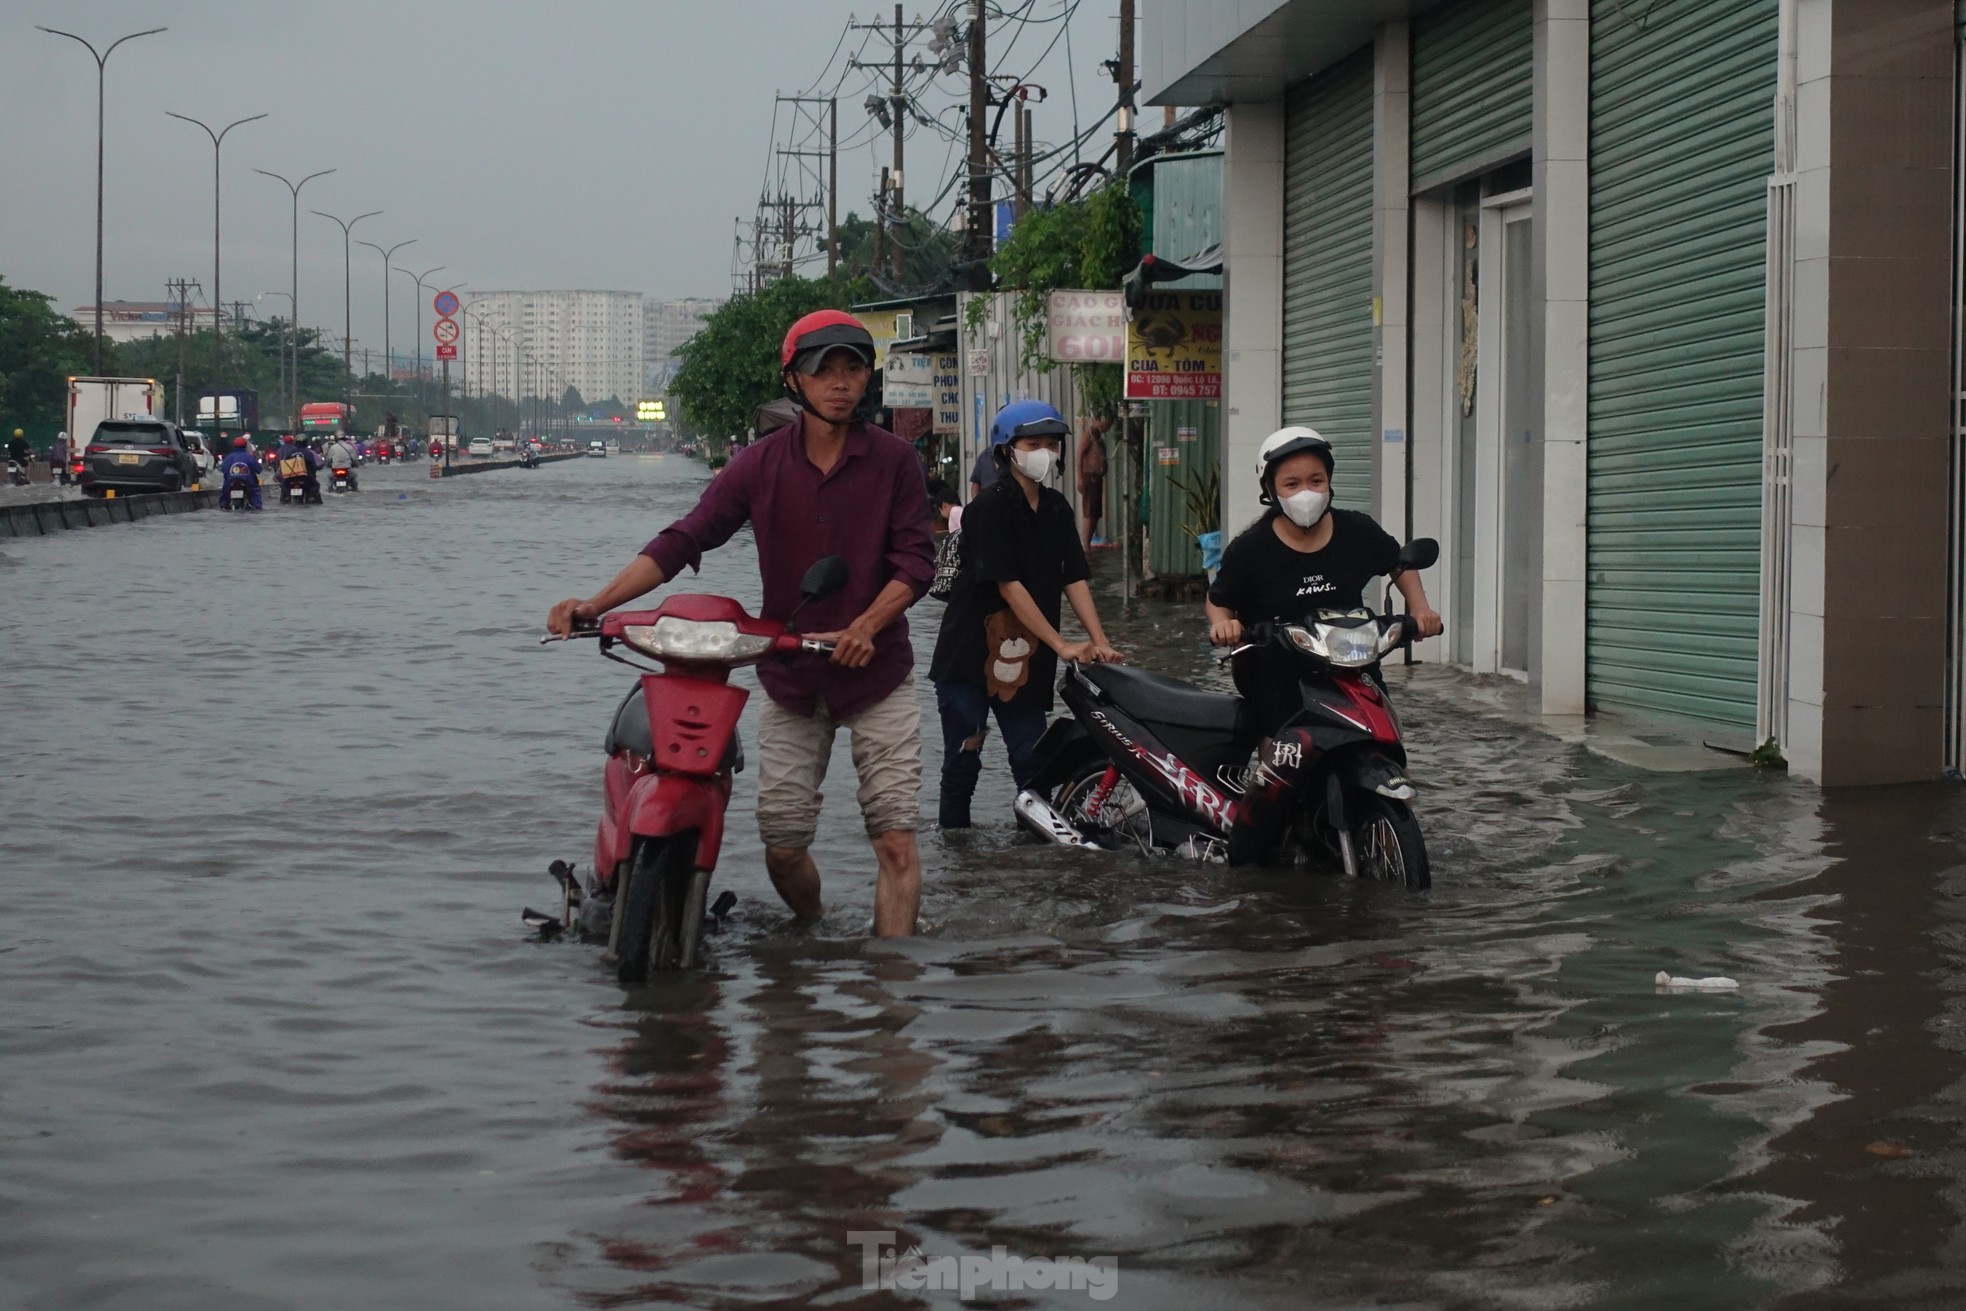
[
  {"x": 1264, "y": 579},
  {"x": 1004, "y": 540}
]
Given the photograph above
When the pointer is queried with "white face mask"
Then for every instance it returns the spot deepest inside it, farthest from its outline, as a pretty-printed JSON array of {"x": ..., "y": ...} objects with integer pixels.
[
  {"x": 1035, "y": 465},
  {"x": 1306, "y": 508}
]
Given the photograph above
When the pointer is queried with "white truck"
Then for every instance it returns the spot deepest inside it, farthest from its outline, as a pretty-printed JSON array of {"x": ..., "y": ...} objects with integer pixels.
[{"x": 92, "y": 400}]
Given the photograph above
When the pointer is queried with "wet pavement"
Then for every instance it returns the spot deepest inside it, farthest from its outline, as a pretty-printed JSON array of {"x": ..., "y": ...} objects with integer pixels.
[{"x": 272, "y": 1036}]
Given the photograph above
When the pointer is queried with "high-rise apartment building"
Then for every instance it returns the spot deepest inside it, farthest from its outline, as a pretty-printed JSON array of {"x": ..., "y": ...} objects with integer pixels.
[
  {"x": 590, "y": 340},
  {"x": 667, "y": 325}
]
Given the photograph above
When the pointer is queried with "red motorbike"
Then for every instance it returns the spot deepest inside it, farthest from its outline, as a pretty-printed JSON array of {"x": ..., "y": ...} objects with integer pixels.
[{"x": 672, "y": 750}]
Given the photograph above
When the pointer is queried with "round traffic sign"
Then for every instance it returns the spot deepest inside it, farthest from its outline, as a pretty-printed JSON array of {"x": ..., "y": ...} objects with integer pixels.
[
  {"x": 445, "y": 303},
  {"x": 444, "y": 330}
]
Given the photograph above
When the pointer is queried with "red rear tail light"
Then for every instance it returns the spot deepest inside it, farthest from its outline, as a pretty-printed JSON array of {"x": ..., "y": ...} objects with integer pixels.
[
  {"x": 98, "y": 450},
  {"x": 162, "y": 450}
]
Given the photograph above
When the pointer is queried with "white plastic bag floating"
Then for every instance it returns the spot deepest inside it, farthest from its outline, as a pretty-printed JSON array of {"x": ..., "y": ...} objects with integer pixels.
[{"x": 1674, "y": 983}]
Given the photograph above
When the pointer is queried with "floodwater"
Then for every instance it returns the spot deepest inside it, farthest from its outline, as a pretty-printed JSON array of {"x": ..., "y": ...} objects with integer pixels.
[{"x": 272, "y": 1036}]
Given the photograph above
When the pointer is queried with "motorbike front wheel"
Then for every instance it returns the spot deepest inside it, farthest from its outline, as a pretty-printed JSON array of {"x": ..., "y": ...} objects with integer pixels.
[
  {"x": 657, "y": 933},
  {"x": 1388, "y": 843}
]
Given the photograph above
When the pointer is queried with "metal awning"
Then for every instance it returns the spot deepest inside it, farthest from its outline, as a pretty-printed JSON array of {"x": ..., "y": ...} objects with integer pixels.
[{"x": 1152, "y": 268}]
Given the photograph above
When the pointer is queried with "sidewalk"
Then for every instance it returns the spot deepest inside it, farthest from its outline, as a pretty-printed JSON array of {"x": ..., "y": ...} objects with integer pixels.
[{"x": 1661, "y": 748}]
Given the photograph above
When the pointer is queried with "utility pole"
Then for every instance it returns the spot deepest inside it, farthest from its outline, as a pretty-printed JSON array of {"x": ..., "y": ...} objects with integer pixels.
[
  {"x": 880, "y": 224},
  {"x": 1124, "y": 76},
  {"x": 892, "y": 111},
  {"x": 833, "y": 186},
  {"x": 900, "y": 122},
  {"x": 979, "y": 156},
  {"x": 180, "y": 290},
  {"x": 1021, "y": 156}
]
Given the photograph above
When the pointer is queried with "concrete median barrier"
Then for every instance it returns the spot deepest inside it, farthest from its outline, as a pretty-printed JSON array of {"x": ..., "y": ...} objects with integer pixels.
[{"x": 41, "y": 518}]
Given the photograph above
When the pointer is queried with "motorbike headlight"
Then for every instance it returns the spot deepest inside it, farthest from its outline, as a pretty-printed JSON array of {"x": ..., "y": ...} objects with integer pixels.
[
  {"x": 718, "y": 641},
  {"x": 1346, "y": 646}
]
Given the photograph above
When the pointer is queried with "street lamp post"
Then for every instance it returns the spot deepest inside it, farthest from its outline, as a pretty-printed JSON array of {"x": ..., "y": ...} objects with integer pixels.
[
  {"x": 388, "y": 353},
  {"x": 293, "y": 299},
  {"x": 218, "y": 300},
  {"x": 347, "y": 294},
  {"x": 419, "y": 277},
  {"x": 101, "y": 60}
]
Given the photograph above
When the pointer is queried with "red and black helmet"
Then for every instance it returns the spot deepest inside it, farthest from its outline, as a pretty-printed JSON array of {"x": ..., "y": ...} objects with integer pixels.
[{"x": 811, "y": 337}]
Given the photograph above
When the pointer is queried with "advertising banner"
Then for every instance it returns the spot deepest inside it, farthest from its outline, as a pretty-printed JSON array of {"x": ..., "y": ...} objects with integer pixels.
[
  {"x": 918, "y": 380},
  {"x": 1086, "y": 327},
  {"x": 1174, "y": 347}
]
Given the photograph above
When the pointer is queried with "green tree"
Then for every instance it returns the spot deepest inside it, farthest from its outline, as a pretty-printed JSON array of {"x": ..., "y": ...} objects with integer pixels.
[
  {"x": 730, "y": 367},
  {"x": 928, "y": 253},
  {"x": 40, "y": 349},
  {"x": 252, "y": 359},
  {"x": 1089, "y": 244}
]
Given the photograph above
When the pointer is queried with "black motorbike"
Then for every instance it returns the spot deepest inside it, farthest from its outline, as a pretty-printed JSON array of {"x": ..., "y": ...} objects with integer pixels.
[
  {"x": 1150, "y": 762},
  {"x": 16, "y": 474},
  {"x": 298, "y": 491}
]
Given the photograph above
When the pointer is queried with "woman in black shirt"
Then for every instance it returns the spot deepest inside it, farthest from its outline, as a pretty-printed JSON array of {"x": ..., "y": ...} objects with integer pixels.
[
  {"x": 1301, "y": 557},
  {"x": 999, "y": 647}
]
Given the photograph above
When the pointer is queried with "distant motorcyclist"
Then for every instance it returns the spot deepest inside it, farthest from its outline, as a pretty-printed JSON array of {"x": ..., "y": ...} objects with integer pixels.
[
  {"x": 18, "y": 451},
  {"x": 298, "y": 462},
  {"x": 58, "y": 460},
  {"x": 239, "y": 468},
  {"x": 342, "y": 454}
]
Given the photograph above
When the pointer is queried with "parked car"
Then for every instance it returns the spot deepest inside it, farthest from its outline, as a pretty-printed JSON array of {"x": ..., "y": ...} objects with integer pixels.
[
  {"x": 138, "y": 455},
  {"x": 480, "y": 447}
]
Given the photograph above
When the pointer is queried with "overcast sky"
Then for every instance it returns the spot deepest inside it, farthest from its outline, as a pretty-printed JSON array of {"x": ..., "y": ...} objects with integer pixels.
[{"x": 600, "y": 144}]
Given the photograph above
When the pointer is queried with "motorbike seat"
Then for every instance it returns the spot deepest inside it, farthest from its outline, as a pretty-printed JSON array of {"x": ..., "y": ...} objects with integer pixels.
[{"x": 1157, "y": 699}]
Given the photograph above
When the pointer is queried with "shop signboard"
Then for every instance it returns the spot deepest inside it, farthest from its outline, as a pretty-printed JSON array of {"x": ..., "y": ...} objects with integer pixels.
[
  {"x": 1086, "y": 327},
  {"x": 1174, "y": 347}
]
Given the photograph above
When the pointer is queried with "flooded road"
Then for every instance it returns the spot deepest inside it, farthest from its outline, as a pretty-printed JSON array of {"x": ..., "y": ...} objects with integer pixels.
[{"x": 271, "y": 1034}]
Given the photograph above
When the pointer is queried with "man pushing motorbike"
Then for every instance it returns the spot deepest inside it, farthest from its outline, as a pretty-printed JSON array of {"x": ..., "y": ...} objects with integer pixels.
[{"x": 828, "y": 483}]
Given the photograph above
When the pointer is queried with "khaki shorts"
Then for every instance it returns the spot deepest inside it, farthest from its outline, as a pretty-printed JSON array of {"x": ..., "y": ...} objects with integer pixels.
[{"x": 793, "y": 753}]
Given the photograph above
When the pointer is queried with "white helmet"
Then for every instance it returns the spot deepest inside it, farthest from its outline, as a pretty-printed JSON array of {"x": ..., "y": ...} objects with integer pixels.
[{"x": 1286, "y": 442}]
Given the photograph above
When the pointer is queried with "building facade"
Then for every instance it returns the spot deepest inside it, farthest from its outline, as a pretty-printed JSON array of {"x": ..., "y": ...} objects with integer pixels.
[
  {"x": 1646, "y": 312},
  {"x": 590, "y": 340},
  {"x": 140, "y": 320},
  {"x": 667, "y": 324}
]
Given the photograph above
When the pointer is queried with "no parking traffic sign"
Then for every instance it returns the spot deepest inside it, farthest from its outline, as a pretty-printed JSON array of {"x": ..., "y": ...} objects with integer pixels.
[{"x": 445, "y": 303}]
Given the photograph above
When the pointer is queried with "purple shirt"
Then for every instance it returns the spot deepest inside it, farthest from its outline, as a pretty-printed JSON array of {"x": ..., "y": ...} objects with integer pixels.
[{"x": 871, "y": 507}]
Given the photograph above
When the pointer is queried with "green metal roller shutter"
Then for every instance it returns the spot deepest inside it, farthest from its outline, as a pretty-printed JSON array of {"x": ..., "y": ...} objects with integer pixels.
[
  {"x": 1682, "y": 144},
  {"x": 1472, "y": 99},
  {"x": 1327, "y": 268}
]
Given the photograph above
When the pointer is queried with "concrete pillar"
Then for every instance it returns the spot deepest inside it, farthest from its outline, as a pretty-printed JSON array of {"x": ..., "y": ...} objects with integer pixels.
[
  {"x": 1252, "y": 280},
  {"x": 1561, "y": 277},
  {"x": 1392, "y": 172},
  {"x": 1871, "y": 378}
]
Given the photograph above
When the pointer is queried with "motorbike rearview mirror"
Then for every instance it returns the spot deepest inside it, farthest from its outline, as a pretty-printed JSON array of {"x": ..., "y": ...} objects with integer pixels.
[
  {"x": 827, "y": 576},
  {"x": 1420, "y": 553}
]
